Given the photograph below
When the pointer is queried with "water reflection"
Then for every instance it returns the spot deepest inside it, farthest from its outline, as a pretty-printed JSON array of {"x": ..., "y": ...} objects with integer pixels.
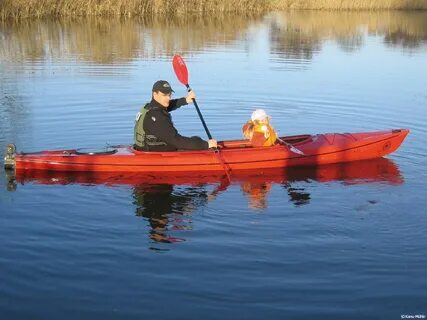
[
  {"x": 168, "y": 208},
  {"x": 297, "y": 195},
  {"x": 168, "y": 202},
  {"x": 290, "y": 42},
  {"x": 296, "y": 35},
  {"x": 109, "y": 41},
  {"x": 257, "y": 193},
  {"x": 299, "y": 29}
]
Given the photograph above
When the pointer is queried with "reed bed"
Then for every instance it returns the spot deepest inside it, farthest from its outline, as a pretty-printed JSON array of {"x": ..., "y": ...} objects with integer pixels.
[
  {"x": 21, "y": 9},
  {"x": 351, "y": 4},
  {"x": 18, "y": 9}
]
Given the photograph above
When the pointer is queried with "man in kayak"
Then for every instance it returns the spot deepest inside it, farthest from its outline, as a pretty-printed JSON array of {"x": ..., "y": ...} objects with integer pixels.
[{"x": 154, "y": 129}]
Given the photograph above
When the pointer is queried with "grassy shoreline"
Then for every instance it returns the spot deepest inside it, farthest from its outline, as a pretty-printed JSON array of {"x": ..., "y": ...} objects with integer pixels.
[{"x": 22, "y": 9}]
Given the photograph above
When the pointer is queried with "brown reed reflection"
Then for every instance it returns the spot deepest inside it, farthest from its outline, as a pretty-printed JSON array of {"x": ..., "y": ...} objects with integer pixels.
[
  {"x": 299, "y": 34},
  {"x": 102, "y": 40},
  {"x": 293, "y": 35}
]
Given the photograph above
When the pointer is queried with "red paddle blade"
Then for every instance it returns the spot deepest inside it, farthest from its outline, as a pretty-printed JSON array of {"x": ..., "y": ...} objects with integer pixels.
[{"x": 180, "y": 69}]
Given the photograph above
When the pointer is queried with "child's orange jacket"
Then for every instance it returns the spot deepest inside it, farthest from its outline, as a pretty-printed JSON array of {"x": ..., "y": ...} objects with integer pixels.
[{"x": 260, "y": 134}]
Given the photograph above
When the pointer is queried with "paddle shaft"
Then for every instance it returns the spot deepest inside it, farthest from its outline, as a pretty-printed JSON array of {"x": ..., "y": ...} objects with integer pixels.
[
  {"x": 181, "y": 72},
  {"x": 200, "y": 114},
  {"x": 217, "y": 152}
]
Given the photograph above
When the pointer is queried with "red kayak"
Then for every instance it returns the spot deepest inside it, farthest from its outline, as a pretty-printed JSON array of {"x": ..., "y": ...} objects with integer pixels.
[{"x": 233, "y": 155}]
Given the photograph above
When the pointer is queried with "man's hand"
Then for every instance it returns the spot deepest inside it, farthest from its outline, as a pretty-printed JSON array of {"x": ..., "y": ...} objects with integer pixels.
[
  {"x": 212, "y": 143},
  {"x": 191, "y": 95}
]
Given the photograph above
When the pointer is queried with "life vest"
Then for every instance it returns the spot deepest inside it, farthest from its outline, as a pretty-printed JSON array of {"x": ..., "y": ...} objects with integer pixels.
[
  {"x": 138, "y": 130},
  {"x": 260, "y": 134},
  {"x": 141, "y": 139}
]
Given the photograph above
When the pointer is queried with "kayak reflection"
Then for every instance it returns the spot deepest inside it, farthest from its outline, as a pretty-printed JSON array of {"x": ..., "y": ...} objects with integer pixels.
[
  {"x": 381, "y": 170},
  {"x": 168, "y": 201}
]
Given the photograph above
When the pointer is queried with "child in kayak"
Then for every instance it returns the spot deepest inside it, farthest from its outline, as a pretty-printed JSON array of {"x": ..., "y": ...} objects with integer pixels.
[{"x": 259, "y": 130}]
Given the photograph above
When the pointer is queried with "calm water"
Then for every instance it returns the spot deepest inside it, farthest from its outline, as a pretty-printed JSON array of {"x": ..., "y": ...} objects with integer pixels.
[{"x": 340, "y": 242}]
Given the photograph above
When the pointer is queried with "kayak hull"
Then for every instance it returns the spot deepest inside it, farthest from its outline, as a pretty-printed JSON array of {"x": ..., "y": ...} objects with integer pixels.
[{"x": 233, "y": 155}]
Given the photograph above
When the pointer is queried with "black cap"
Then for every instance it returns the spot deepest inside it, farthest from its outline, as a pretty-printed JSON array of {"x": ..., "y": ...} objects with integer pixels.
[{"x": 162, "y": 86}]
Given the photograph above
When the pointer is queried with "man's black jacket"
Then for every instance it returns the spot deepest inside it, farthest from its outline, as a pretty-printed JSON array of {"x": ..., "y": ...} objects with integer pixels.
[{"x": 158, "y": 122}]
